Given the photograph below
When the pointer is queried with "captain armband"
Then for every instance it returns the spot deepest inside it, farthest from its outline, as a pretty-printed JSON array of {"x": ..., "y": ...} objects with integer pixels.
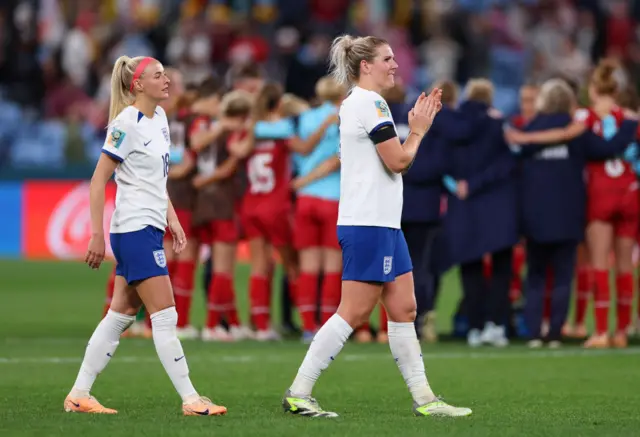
[{"x": 380, "y": 134}]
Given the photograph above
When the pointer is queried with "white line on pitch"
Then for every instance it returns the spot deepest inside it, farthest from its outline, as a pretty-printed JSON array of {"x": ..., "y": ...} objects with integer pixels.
[{"x": 488, "y": 355}]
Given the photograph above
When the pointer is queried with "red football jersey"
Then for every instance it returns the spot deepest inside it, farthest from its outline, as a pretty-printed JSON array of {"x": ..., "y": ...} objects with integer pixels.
[
  {"x": 268, "y": 174},
  {"x": 518, "y": 121},
  {"x": 613, "y": 172}
]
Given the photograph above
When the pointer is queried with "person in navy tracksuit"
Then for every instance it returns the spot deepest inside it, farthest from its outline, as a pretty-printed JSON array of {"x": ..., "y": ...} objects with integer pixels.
[
  {"x": 481, "y": 216},
  {"x": 421, "y": 211},
  {"x": 553, "y": 203}
]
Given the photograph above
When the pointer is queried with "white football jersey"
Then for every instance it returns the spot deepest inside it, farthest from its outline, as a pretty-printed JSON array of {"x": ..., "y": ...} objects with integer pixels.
[
  {"x": 141, "y": 145},
  {"x": 370, "y": 193}
]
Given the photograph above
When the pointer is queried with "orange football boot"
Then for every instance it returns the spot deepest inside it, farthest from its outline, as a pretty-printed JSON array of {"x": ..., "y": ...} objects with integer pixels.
[
  {"x": 86, "y": 405},
  {"x": 203, "y": 407}
]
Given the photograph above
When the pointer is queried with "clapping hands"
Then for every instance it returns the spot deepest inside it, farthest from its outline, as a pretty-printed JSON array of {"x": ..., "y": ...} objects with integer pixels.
[{"x": 424, "y": 111}]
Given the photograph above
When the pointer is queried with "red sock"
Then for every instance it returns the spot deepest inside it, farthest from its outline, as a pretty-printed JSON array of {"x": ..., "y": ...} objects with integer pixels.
[
  {"x": 215, "y": 307},
  {"x": 602, "y": 298},
  {"x": 487, "y": 267},
  {"x": 260, "y": 299},
  {"x": 172, "y": 267},
  {"x": 111, "y": 283},
  {"x": 183, "y": 275},
  {"x": 232, "y": 312},
  {"x": 584, "y": 288},
  {"x": 383, "y": 320},
  {"x": 147, "y": 319},
  {"x": 306, "y": 300},
  {"x": 624, "y": 300},
  {"x": 224, "y": 286},
  {"x": 548, "y": 287},
  {"x": 364, "y": 327},
  {"x": 331, "y": 292},
  {"x": 517, "y": 262}
]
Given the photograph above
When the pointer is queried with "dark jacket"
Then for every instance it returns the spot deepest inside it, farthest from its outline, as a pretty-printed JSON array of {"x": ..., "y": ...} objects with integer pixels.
[
  {"x": 551, "y": 180},
  {"x": 486, "y": 221},
  {"x": 423, "y": 181}
]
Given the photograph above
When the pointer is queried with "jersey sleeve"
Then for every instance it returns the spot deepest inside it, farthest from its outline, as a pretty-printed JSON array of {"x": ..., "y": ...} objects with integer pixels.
[
  {"x": 581, "y": 115},
  {"x": 374, "y": 114},
  {"x": 276, "y": 130},
  {"x": 120, "y": 140}
]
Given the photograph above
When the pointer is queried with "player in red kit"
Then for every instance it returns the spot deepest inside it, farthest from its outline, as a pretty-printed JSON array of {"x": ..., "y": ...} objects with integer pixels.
[
  {"x": 266, "y": 209},
  {"x": 613, "y": 208},
  {"x": 214, "y": 211},
  {"x": 613, "y": 212},
  {"x": 181, "y": 266}
]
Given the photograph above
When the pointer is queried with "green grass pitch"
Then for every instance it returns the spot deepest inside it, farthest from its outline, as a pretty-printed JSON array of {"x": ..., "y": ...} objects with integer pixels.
[{"x": 49, "y": 309}]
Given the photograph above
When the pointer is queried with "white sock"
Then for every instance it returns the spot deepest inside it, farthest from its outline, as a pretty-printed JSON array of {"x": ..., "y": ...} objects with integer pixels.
[
  {"x": 102, "y": 345},
  {"x": 326, "y": 345},
  {"x": 405, "y": 348},
  {"x": 169, "y": 349}
]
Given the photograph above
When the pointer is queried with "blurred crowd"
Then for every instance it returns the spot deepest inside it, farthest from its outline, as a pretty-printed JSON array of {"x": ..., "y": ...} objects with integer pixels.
[{"x": 57, "y": 54}]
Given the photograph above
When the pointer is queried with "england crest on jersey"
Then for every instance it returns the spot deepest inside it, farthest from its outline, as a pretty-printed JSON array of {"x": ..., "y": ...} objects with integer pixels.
[
  {"x": 387, "y": 263},
  {"x": 161, "y": 259},
  {"x": 167, "y": 137}
]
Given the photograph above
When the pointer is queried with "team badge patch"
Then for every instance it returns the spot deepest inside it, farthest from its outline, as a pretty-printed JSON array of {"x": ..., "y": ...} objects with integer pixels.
[
  {"x": 387, "y": 263},
  {"x": 116, "y": 138},
  {"x": 161, "y": 260},
  {"x": 382, "y": 108},
  {"x": 167, "y": 137}
]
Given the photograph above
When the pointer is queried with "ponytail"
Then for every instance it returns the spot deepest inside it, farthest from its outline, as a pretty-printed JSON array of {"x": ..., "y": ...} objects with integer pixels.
[
  {"x": 121, "y": 84},
  {"x": 341, "y": 71},
  {"x": 605, "y": 78},
  {"x": 267, "y": 100}
]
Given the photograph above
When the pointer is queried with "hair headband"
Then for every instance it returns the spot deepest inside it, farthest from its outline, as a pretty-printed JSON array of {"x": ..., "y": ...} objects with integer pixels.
[{"x": 139, "y": 70}]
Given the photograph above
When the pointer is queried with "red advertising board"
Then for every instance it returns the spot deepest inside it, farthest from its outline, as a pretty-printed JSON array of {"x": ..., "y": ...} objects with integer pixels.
[{"x": 57, "y": 220}]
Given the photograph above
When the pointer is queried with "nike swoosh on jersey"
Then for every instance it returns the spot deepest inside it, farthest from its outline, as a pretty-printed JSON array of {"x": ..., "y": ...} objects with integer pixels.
[{"x": 147, "y": 143}]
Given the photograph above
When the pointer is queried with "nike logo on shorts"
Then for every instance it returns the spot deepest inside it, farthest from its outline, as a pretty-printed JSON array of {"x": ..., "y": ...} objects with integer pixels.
[{"x": 147, "y": 143}]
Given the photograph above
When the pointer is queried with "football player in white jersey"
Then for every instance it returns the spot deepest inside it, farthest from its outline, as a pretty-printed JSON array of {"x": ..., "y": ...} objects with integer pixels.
[
  {"x": 376, "y": 262},
  {"x": 137, "y": 150}
]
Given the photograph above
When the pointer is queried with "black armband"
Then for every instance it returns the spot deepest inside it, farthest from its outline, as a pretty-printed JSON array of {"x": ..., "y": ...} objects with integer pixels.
[{"x": 382, "y": 133}]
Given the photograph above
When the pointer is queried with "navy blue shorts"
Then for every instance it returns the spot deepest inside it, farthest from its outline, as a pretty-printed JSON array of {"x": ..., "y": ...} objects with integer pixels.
[
  {"x": 373, "y": 254},
  {"x": 140, "y": 254}
]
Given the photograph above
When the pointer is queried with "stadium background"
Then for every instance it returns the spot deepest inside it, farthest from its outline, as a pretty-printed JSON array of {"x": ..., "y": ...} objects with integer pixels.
[{"x": 54, "y": 66}]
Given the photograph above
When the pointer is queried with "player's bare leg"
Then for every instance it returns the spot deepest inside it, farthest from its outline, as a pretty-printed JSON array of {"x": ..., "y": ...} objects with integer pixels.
[
  {"x": 600, "y": 236},
  {"x": 102, "y": 346},
  {"x": 356, "y": 305},
  {"x": 157, "y": 296},
  {"x": 399, "y": 299}
]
